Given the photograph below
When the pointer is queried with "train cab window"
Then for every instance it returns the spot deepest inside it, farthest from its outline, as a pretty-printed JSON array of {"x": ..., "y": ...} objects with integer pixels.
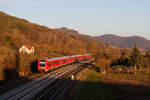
[{"x": 42, "y": 63}]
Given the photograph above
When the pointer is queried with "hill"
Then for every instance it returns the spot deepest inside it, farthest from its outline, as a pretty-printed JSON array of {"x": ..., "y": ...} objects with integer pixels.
[
  {"x": 15, "y": 32},
  {"x": 125, "y": 42},
  {"x": 48, "y": 42},
  {"x": 83, "y": 37}
]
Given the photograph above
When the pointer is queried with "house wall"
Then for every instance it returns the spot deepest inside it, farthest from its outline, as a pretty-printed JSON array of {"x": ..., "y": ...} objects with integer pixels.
[{"x": 25, "y": 49}]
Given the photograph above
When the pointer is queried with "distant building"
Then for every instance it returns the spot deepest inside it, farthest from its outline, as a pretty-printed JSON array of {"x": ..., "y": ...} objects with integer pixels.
[{"x": 26, "y": 49}]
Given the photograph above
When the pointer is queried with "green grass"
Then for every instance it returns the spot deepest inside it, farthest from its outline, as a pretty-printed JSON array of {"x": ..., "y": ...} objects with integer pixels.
[{"x": 93, "y": 88}]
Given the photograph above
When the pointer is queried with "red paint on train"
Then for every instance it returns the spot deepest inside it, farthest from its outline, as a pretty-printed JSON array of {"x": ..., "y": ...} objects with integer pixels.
[{"x": 50, "y": 64}]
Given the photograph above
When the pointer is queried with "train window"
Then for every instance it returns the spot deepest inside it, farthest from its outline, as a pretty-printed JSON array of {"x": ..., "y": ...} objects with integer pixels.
[{"x": 42, "y": 64}]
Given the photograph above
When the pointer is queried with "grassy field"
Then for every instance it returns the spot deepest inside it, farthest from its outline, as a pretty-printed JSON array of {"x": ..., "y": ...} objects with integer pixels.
[
  {"x": 128, "y": 76},
  {"x": 138, "y": 79},
  {"x": 92, "y": 85},
  {"x": 128, "y": 86},
  {"x": 93, "y": 88}
]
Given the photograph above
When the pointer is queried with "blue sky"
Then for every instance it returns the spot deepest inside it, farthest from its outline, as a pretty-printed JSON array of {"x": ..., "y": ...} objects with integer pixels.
[{"x": 93, "y": 17}]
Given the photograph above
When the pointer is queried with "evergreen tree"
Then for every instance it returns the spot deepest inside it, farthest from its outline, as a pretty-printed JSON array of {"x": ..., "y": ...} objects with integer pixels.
[{"x": 135, "y": 59}]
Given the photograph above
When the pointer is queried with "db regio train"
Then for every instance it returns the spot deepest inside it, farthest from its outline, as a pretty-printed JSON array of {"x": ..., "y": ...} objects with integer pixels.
[{"x": 53, "y": 63}]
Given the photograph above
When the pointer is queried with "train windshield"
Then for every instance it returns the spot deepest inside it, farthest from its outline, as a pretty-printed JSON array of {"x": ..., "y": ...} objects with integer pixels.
[{"x": 42, "y": 63}]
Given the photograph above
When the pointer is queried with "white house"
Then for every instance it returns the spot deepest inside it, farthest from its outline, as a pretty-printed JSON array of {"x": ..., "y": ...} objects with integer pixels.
[{"x": 26, "y": 49}]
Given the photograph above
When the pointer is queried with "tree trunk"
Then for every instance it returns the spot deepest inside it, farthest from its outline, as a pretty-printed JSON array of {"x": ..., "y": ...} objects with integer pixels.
[{"x": 135, "y": 69}]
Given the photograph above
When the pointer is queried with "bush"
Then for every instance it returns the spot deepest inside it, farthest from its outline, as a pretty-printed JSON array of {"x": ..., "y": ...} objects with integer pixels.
[
  {"x": 7, "y": 60},
  {"x": 103, "y": 64},
  {"x": 24, "y": 64}
]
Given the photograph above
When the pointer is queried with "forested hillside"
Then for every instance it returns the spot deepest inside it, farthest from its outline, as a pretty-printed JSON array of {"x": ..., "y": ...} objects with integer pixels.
[{"x": 15, "y": 32}]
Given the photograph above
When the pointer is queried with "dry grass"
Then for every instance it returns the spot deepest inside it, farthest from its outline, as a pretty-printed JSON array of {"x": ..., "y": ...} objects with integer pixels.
[{"x": 128, "y": 86}]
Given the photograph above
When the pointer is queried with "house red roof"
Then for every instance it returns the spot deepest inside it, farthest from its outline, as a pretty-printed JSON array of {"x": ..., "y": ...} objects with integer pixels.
[{"x": 28, "y": 46}]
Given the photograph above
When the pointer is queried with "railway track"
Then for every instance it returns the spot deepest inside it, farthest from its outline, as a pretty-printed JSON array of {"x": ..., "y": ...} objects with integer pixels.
[
  {"x": 30, "y": 89},
  {"x": 58, "y": 90},
  {"x": 62, "y": 90},
  {"x": 21, "y": 81}
]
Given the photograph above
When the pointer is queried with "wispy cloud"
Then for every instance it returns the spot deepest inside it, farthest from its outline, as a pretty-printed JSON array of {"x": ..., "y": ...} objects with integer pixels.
[{"x": 17, "y": 2}]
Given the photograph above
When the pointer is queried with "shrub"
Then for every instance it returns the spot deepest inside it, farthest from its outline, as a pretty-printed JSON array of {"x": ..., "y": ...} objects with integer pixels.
[{"x": 24, "y": 64}]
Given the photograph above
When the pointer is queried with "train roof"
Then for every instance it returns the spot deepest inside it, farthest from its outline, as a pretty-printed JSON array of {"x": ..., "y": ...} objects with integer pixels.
[
  {"x": 79, "y": 55},
  {"x": 75, "y": 55},
  {"x": 64, "y": 57},
  {"x": 86, "y": 54},
  {"x": 57, "y": 58}
]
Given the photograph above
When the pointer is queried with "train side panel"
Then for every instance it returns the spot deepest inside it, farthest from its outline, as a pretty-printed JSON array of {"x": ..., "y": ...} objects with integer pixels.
[{"x": 53, "y": 63}]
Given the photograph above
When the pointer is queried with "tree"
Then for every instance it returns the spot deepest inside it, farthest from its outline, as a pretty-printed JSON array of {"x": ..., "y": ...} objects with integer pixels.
[
  {"x": 135, "y": 59},
  {"x": 24, "y": 63},
  {"x": 102, "y": 61},
  {"x": 93, "y": 48},
  {"x": 103, "y": 64},
  {"x": 147, "y": 55},
  {"x": 146, "y": 62}
]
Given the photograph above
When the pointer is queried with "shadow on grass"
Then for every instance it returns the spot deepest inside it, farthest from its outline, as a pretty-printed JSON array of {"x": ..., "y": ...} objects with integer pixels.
[
  {"x": 129, "y": 91},
  {"x": 10, "y": 75},
  {"x": 110, "y": 91},
  {"x": 94, "y": 91}
]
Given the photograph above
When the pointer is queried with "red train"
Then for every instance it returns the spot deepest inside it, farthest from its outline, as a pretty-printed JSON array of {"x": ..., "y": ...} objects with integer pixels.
[{"x": 50, "y": 64}]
